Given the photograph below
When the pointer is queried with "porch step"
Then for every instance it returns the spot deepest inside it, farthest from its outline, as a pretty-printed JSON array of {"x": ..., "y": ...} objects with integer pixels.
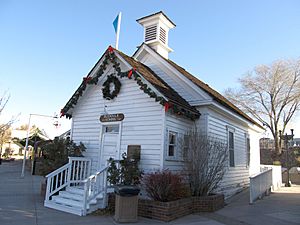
[
  {"x": 72, "y": 196},
  {"x": 75, "y": 190},
  {"x": 71, "y": 201},
  {"x": 64, "y": 208}
]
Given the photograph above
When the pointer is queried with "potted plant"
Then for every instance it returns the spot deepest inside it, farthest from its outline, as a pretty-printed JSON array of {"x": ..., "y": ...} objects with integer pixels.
[{"x": 125, "y": 180}]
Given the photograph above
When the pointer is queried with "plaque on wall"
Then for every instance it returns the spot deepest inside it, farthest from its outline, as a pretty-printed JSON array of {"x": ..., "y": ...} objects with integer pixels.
[
  {"x": 134, "y": 152},
  {"x": 112, "y": 117}
]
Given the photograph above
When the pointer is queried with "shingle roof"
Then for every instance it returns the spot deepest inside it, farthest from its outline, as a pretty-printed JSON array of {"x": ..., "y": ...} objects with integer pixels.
[
  {"x": 213, "y": 93},
  {"x": 157, "y": 82}
]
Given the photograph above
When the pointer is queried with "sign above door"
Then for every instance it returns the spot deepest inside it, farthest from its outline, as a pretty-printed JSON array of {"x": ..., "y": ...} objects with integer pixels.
[{"x": 112, "y": 117}]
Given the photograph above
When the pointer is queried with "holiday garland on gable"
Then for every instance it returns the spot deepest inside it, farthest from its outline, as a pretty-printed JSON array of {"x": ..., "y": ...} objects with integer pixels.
[{"x": 109, "y": 94}]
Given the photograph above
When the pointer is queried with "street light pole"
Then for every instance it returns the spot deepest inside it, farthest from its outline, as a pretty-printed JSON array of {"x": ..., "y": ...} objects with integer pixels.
[
  {"x": 286, "y": 139},
  {"x": 27, "y": 140},
  {"x": 25, "y": 148}
]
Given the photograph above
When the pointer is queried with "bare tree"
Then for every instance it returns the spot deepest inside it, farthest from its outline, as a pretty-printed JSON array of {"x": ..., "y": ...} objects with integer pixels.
[
  {"x": 271, "y": 94},
  {"x": 5, "y": 136},
  {"x": 206, "y": 160},
  {"x": 4, "y": 127}
]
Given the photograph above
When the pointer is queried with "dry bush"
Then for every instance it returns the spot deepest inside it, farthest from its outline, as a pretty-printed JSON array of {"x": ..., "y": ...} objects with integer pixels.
[
  {"x": 205, "y": 160},
  {"x": 165, "y": 186}
]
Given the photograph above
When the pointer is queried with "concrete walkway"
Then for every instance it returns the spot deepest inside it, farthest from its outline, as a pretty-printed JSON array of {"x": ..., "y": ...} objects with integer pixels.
[{"x": 21, "y": 204}]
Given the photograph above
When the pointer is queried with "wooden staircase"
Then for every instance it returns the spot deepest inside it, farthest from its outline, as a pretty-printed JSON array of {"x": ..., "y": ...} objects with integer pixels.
[
  {"x": 71, "y": 189},
  {"x": 71, "y": 200}
]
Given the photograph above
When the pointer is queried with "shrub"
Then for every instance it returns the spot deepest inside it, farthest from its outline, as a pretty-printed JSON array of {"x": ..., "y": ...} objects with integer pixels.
[
  {"x": 56, "y": 153},
  {"x": 127, "y": 173},
  {"x": 165, "y": 186},
  {"x": 7, "y": 154},
  {"x": 205, "y": 160}
]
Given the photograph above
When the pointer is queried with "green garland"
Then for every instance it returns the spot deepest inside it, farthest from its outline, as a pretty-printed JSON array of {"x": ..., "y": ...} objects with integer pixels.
[
  {"x": 110, "y": 56},
  {"x": 107, "y": 93}
]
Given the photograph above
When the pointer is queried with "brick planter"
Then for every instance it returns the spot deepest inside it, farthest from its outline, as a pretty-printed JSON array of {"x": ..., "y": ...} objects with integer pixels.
[
  {"x": 209, "y": 203},
  {"x": 167, "y": 211}
]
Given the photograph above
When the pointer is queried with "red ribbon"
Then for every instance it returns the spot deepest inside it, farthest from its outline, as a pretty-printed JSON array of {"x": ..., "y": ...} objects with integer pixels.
[
  {"x": 62, "y": 113},
  {"x": 129, "y": 74},
  {"x": 110, "y": 49},
  {"x": 87, "y": 79},
  {"x": 167, "y": 106}
]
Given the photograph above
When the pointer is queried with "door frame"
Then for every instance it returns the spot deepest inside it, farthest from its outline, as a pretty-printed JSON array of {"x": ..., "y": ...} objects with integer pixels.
[{"x": 103, "y": 124}]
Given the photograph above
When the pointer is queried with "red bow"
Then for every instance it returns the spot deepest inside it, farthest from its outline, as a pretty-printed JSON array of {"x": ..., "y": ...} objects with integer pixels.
[
  {"x": 110, "y": 49},
  {"x": 62, "y": 113},
  {"x": 167, "y": 106},
  {"x": 129, "y": 74},
  {"x": 87, "y": 79}
]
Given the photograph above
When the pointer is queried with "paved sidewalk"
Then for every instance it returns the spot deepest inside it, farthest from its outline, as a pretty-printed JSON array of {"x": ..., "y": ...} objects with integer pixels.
[
  {"x": 281, "y": 207},
  {"x": 21, "y": 204}
]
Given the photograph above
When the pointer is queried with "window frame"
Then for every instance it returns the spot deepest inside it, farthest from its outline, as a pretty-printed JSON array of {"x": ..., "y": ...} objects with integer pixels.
[
  {"x": 175, "y": 145},
  {"x": 231, "y": 158},
  {"x": 248, "y": 150}
]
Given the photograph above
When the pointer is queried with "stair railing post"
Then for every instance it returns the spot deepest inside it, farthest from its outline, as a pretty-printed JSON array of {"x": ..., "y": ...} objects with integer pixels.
[
  {"x": 69, "y": 172},
  {"x": 85, "y": 196},
  {"x": 48, "y": 181},
  {"x": 89, "y": 167},
  {"x": 105, "y": 199}
]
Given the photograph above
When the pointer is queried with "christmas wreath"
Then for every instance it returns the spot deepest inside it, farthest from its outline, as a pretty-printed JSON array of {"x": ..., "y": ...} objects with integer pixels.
[{"x": 107, "y": 93}]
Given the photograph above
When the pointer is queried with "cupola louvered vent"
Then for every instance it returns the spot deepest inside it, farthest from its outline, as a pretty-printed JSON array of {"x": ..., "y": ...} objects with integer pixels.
[
  {"x": 162, "y": 35},
  {"x": 150, "y": 33},
  {"x": 156, "y": 31}
]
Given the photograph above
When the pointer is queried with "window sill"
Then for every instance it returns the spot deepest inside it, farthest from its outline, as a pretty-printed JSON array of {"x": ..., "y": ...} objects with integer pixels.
[{"x": 174, "y": 159}]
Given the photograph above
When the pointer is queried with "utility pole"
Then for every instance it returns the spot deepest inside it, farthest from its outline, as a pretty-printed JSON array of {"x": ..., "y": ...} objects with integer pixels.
[{"x": 286, "y": 139}]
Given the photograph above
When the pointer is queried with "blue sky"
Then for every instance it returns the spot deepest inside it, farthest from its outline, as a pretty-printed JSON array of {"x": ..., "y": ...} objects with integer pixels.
[{"x": 47, "y": 47}]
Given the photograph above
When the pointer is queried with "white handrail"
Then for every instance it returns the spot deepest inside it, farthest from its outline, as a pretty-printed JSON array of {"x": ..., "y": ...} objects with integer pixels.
[
  {"x": 72, "y": 173},
  {"x": 56, "y": 171},
  {"x": 93, "y": 186},
  {"x": 81, "y": 169},
  {"x": 56, "y": 181},
  {"x": 77, "y": 172}
]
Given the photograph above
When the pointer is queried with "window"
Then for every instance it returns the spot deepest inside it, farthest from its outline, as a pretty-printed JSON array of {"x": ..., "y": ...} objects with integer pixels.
[
  {"x": 111, "y": 128},
  {"x": 231, "y": 148},
  {"x": 248, "y": 150},
  {"x": 172, "y": 144}
]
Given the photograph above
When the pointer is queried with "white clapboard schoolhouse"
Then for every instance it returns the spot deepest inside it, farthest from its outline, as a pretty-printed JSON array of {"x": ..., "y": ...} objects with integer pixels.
[{"x": 145, "y": 102}]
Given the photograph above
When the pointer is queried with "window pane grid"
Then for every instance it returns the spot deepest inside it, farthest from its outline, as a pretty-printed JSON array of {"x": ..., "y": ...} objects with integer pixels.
[
  {"x": 231, "y": 148},
  {"x": 172, "y": 144}
]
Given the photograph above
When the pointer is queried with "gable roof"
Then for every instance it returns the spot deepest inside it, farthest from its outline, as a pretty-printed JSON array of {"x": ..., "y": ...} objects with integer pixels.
[
  {"x": 161, "y": 86},
  {"x": 213, "y": 93}
]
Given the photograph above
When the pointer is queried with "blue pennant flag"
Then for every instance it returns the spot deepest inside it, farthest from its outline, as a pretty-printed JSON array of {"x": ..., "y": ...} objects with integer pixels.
[{"x": 115, "y": 23}]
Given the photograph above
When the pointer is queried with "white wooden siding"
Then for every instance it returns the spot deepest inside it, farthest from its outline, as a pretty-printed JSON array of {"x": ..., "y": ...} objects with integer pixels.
[
  {"x": 181, "y": 126},
  {"x": 236, "y": 177},
  {"x": 142, "y": 124},
  {"x": 202, "y": 122}
]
